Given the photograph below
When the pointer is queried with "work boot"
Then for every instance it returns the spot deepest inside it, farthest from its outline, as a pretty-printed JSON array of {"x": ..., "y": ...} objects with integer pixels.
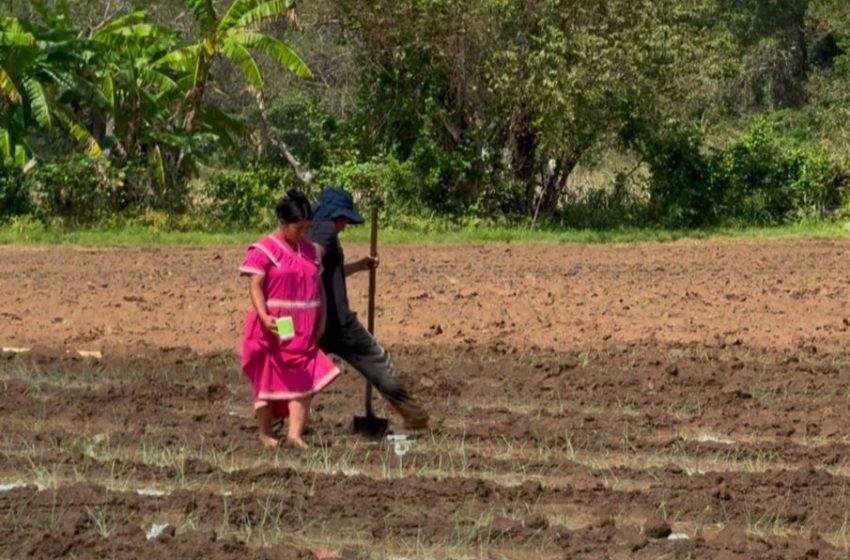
[{"x": 415, "y": 417}]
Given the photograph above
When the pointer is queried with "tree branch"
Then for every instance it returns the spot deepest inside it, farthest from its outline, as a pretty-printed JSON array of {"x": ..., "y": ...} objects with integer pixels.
[{"x": 304, "y": 175}]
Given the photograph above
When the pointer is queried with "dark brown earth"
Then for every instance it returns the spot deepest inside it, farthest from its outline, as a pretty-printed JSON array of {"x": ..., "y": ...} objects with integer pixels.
[{"x": 587, "y": 401}]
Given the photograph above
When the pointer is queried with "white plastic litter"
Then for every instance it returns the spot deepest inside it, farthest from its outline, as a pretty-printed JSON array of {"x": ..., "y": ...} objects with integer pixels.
[
  {"x": 708, "y": 438},
  {"x": 401, "y": 444},
  {"x": 677, "y": 537},
  {"x": 155, "y": 531},
  {"x": 150, "y": 493},
  {"x": 9, "y": 486}
]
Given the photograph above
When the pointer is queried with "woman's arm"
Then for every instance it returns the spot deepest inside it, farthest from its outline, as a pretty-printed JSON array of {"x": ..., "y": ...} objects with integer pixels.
[{"x": 258, "y": 299}]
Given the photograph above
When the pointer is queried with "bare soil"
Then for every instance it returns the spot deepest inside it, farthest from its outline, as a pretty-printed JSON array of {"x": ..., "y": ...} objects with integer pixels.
[{"x": 588, "y": 401}]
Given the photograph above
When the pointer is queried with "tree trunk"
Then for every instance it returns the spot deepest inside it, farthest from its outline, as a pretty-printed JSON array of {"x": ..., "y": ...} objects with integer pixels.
[
  {"x": 100, "y": 122},
  {"x": 524, "y": 154},
  {"x": 555, "y": 184},
  {"x": 264, "y": 138},
  {"x": 196, "y": 94},
  {"x": 195, "y": 99},
  {"x": 133, "y": 126},
  {"x": 790, "y": 71}
]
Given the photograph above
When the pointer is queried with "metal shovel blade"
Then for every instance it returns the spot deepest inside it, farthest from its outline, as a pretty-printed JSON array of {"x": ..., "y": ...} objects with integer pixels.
[{"x": 370, "y": 427}]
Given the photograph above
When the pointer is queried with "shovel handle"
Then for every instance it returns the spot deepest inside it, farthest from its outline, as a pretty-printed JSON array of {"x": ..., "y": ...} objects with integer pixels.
[{"x": 373, "y": 277}]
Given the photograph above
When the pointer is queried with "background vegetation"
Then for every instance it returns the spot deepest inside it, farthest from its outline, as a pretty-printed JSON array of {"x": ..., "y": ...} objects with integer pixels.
[{"x": 196, "y": 114}]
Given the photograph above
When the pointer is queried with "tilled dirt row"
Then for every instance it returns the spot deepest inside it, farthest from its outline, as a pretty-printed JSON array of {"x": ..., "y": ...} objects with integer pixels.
[{"x": 585, "y": 454}]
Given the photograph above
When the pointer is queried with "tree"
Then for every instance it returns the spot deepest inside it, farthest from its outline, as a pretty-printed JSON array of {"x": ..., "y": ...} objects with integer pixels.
[
  {"x": 234, "y": 35},
  {"x": 141, "y": 96},
  {"x": 425, "y": 92},
  {"x": 773, "y": 48},
  {"x": 527, "y": 88},
  {"x": 43, "y": 76}
]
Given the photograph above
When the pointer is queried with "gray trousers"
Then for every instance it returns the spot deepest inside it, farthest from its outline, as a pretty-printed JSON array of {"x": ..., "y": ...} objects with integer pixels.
[{"x": 353, "y": 343}]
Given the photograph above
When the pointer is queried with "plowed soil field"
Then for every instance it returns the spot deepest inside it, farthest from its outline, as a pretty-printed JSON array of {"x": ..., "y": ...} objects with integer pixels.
[{"x": 685, "y": 400}]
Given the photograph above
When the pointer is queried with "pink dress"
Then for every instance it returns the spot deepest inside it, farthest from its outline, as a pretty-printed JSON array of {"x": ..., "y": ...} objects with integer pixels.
[{"x": 281, "y": 370}]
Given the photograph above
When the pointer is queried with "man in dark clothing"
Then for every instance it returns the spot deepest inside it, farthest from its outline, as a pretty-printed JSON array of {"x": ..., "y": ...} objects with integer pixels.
[{"x": 344, "y": 335}]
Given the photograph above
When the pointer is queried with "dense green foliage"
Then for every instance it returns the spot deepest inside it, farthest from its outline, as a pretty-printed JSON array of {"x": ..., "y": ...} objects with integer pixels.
[{"x": 578, "y": 113}]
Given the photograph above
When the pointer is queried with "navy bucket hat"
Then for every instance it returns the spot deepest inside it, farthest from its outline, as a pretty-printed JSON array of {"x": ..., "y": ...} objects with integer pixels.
[{"x": 336, "y": 203}]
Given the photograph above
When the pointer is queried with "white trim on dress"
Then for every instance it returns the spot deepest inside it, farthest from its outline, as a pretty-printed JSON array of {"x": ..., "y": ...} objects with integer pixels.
[
  {"x": 251, "y": 270},
  {"x": 288, "y": 304},
  {"x": 267, "y": 253},
  {"x": 263, "y": 397}
]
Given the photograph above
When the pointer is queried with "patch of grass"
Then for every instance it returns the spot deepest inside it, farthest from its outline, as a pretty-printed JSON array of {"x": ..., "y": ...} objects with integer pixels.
[
  {"x": 99, "y": 518},
  {"x": 44, "y": 476},
  {"x": 840, "y": 537},
  {"x": 766, "y": 524},
  {"x": 97, "y": 447},
  {"x": 221, "y": 457},
  {"x": 438, "y": 454},
  {"x": 468, "y": 531},
  {"x": 40, "y": 380},
  {"x": 685, "y": 410},
  {"x": 439, "y": 231},
  {"x": 772, "y": 394},
  {"x": 267, "y": 526}
]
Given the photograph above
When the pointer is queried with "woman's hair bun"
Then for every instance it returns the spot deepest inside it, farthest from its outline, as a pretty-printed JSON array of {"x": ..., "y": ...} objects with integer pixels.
[{"x": 294, "y": 207}]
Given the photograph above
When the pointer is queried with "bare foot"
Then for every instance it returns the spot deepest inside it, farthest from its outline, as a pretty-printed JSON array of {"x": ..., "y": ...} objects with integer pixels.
[
  {"x": 268, "y": 441},
  {"x": 296, "y": 441}
]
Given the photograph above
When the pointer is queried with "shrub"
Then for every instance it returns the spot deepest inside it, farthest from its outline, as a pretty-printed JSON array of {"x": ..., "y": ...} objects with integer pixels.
[
  {"x": 682, "y": 189},
  {"x": 246, "y": 198},
  {"x": 385, "y": 182},
  {"x": 761, "y": 178},
  {"x": 770, "y": 179},
  {"x": 13, "y": 194},
  {"x": 604, "y": 209},
  {"x": 77, "y": 189}
]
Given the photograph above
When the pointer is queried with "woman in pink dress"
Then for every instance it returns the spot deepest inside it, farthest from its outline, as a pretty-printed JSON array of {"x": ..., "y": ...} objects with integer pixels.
[{"x": 280, "y": 350}]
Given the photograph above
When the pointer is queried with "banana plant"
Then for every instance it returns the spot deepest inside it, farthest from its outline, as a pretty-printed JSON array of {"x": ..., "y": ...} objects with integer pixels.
[
  {"x": 234, "y": 35},
  {"x": 41, "y": 81},
  {"x": 139, "y": 94}
]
